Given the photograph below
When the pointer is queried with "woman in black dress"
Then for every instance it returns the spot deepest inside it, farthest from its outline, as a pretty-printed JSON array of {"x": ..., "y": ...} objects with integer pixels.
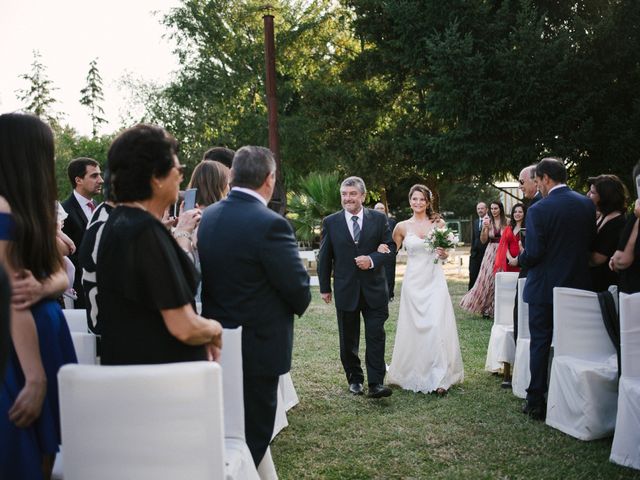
[
  {"x": 609, "y": 195},
  {"x": 146, "y": 282},
  {"x": 626, "y": 259}
]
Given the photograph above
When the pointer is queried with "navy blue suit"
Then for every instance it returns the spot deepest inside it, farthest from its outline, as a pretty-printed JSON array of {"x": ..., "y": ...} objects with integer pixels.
[
  {"x": 560, "y": 231},
  {"x": 357, "y": 291},
  {"x": 252, "y": 276},
  {"x": 74, "y": 226}
]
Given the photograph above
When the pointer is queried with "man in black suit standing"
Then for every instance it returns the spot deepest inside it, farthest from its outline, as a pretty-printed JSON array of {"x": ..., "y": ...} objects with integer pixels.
[
  {"x": 252, "y": 276},
  {"x": 477, "y": 247},
  {"x": 349, "y": 248},
  {"x": 86, "y": 181},
  {"x": 390, "y": 267},
  {"x": 560, "y": 230}
]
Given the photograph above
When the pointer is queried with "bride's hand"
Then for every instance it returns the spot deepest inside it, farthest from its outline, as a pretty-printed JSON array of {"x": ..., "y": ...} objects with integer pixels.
[
  {"x": 441, "y": 253},
  {"x": 383, "y": 248}
]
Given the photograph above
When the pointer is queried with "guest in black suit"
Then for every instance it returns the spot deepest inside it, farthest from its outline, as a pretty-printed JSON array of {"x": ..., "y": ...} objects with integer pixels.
[
  {"x": 560, "y": 231},
  {"x": 86, "y": 181},
  {"x": 477, "y": 247},
  {"x": 390, "y": 267},
  {"x": 252, "y": 276},
  {"x": 349, "y": 250},
  {"x": 529, "y": 189}
]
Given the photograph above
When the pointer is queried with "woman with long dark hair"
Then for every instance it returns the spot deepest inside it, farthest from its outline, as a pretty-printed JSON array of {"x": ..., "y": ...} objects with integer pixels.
[
  {"x": 511, "y": 240},
  {"x": 41, "y": 342},
  {"x": 480, "y": 298},
  {"x": 609, "y": 195}
]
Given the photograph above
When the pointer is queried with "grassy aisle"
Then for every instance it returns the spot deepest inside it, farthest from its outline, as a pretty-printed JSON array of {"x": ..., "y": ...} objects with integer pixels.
[{"x": 476, "y": 431}]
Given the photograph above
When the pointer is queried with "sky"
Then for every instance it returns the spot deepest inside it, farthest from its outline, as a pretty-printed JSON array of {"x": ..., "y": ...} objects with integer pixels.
[{"x": 124, "y": 35}]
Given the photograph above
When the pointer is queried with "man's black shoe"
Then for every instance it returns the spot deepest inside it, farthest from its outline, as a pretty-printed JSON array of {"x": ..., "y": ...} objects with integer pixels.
[
  {"x": 377, "y": 390},
  {"x": 538, "y": 413},
  {"x": 356, "y": 388}
]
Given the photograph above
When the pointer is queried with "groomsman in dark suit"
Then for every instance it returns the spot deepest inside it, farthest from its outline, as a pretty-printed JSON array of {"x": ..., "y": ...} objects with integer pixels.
[
  {"x": 477, "y": 247},
  {"x": 252, "y": 276},
  {"x": 559, "y": 230},
  {"x": 349, "y": 251},
  {"x": 390, "y": 267},
  {"x": 86, "y": 180}
]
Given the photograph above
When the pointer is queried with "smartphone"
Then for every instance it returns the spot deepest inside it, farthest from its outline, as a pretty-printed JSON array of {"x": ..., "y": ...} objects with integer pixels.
[
  {"x": 190, "y": 199},
  {"x": 638, "y": 186}
]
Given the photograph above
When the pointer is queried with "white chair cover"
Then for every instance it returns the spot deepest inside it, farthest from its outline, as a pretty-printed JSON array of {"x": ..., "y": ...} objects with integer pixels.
[
  {"x": 289, "y": 395},
  {"x": 142, "y": 421},
  {"x": 76, "y": 319},
  {"x": 583, "y": 390},
  {"x": 521, "y": 373},
  {"x": 501, "y": 347},
  {"x": 239, "y": 457},
  {"x": 626, "y": 440},
  {"x": 85, "y": 347}
]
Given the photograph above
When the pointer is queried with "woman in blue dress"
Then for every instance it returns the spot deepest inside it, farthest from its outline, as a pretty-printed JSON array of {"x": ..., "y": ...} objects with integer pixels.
[{"x": 40, "y": 339}]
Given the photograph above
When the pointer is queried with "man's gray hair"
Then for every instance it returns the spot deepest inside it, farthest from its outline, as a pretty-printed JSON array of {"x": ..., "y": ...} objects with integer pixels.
[
  {"x": 530, "y": 170},
  {"x": 251, "y": 166},
  {"x": 354, "y": 182}
]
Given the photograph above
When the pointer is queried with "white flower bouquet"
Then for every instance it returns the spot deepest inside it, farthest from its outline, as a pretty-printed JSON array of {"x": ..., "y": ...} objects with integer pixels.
[{"x": 440, "y": 237}]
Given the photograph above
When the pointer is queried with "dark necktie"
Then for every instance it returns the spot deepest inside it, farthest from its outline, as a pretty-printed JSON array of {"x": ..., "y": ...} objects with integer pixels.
[{"x": 356, "y": 229}]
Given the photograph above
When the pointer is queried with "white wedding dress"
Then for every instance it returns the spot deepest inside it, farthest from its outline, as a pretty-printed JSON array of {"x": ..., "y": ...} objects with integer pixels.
[{"x": 426, "y": 352}]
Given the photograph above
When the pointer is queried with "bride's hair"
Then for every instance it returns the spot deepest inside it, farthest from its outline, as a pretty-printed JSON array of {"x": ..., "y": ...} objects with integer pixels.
[{"x": 424, "y": 190}]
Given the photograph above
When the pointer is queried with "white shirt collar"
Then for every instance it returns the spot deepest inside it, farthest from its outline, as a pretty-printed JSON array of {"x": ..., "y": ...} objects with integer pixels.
[
  {"x": 360, "y": 216},
  {"x": 253, "y": 193},
  {"x": 560, "y": 185},
  {"x": 83, "y": 203}
]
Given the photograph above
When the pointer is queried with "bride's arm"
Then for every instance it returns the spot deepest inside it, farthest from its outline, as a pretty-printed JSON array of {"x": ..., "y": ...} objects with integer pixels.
[{"x": 398, "y": 235}]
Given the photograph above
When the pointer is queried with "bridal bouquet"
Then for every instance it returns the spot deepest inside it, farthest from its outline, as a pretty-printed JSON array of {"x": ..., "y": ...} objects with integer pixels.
[{"x": 440, "y": 237}]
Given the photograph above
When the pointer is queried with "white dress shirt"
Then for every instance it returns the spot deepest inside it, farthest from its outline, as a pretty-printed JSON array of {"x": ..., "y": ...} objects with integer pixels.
[
  {"x": 348, "y": 216},
  {"x": 88, "y": 212},
  {"x": 253, "y": 193}
]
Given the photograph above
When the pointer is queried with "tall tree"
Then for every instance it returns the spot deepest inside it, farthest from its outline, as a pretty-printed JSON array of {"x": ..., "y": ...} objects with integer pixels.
[
  {"x": 92, "y": 95},
  {"x": 488, "y": 87},
  {"x": 38, "y": 96}
]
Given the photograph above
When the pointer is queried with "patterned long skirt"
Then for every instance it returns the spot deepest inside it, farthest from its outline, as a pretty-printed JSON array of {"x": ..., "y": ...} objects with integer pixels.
[{"x": 480, "y": 298}]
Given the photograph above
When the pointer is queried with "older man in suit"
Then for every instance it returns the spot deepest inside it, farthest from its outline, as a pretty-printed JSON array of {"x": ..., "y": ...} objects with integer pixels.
[
  {"x": 252, "y": 276},
  {"x": 477, "y": 247},
  {"x": 86, "y": 180},
  {"x": 560, "y": 230},
  {"x": 349, "y": 249}
]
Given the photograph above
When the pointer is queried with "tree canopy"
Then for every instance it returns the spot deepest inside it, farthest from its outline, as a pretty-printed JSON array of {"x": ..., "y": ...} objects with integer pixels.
[{"x": 464, "y": 91}]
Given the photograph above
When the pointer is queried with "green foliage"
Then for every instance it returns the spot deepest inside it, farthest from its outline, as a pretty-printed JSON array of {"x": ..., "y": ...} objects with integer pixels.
[
  {"x": 316, "y": 196},
  {"x": 92, "y": 95},
  {"x": 37, "y": 96},
  {"x": 489, "y": 87},
  {"x": 70, "y": 145}
]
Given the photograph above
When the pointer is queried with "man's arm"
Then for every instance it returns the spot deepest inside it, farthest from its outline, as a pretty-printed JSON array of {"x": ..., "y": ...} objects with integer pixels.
[
  {"x": 325, "y": 262},
  {"x": 535, "y": 247},
  {"x": 283, "y": 266},
  {"x": 380, "y": 259}
]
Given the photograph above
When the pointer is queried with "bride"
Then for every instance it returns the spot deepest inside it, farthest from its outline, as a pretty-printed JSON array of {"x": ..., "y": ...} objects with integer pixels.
[{"x": 426, "y": 353}]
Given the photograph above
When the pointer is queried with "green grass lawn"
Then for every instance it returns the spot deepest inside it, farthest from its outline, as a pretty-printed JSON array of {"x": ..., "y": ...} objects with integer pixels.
[{"x": 476, "y": 431}]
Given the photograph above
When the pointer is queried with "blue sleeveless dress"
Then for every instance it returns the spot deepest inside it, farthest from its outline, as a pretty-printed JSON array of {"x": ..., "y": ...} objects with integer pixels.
[{"x": 21, "y": 449}]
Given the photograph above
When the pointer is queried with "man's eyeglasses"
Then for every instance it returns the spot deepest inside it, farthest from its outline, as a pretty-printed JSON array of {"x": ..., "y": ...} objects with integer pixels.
[
  {"x": 180, "y": 167},
  {"x": 521, "y": 182}
]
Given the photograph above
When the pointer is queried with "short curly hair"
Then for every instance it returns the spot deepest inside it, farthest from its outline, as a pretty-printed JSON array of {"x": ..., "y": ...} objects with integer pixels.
[{"x": 135, "y": 156}]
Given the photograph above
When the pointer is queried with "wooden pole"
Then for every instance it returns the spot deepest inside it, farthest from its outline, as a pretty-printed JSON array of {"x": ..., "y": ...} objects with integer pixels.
[{"x": 279, "y": 201}]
